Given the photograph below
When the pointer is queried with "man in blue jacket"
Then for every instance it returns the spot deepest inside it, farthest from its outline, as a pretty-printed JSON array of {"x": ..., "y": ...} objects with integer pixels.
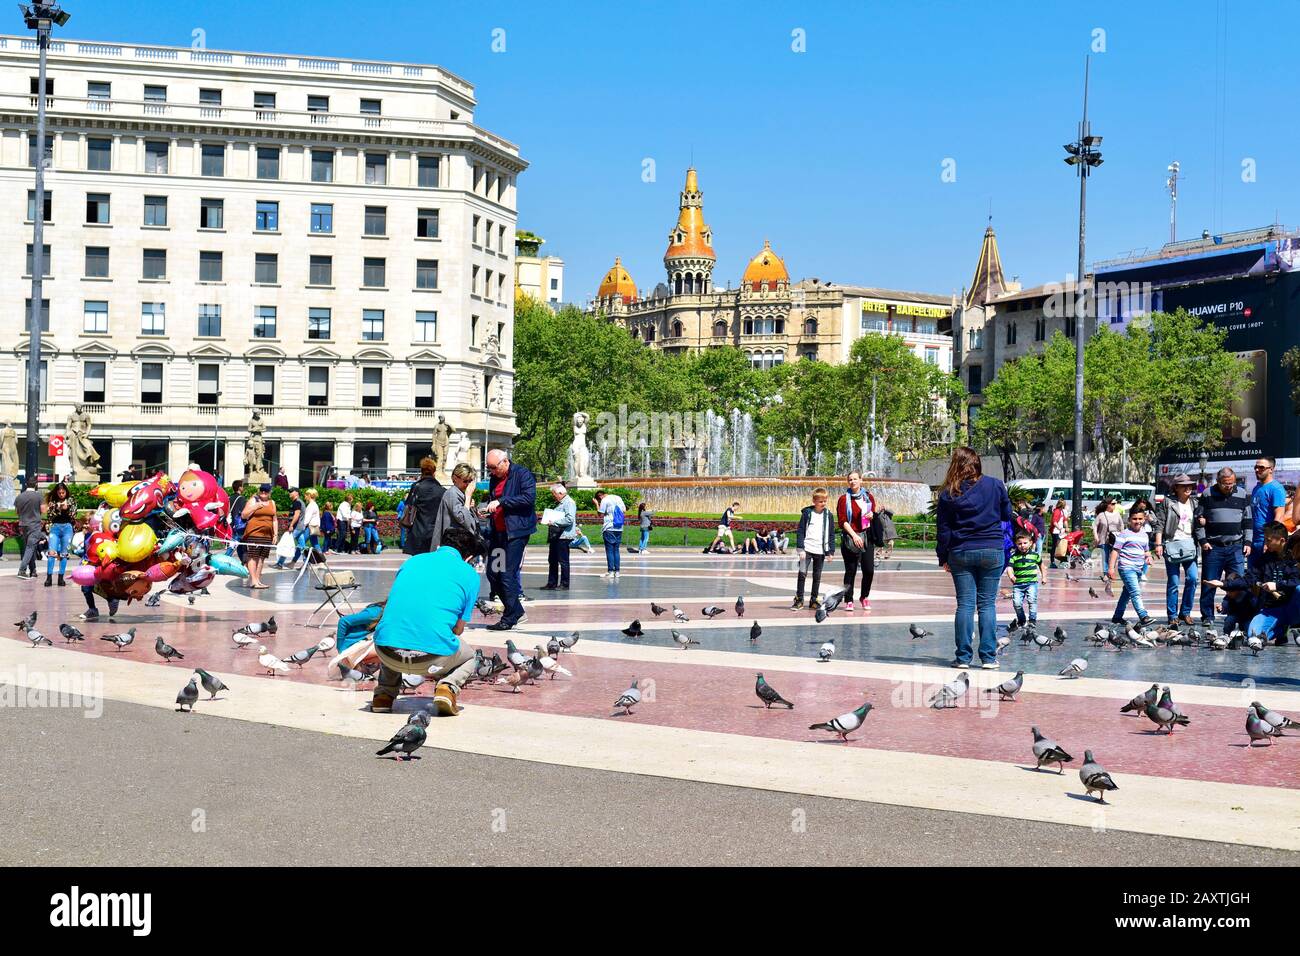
[{"x": 512, "y": 518}]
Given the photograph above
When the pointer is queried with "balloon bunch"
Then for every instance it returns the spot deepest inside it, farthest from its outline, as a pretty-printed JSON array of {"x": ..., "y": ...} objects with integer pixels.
[{"x": 156, "y": 530}]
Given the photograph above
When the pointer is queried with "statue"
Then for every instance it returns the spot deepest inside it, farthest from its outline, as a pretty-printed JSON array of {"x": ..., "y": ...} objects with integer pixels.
[
  {"x": 82, "y": 456},
  {"x": 579, "y": 455},
  {"x": 462, "y": 448},
  {"x": 441, "y": 436},
  {"x": 255, "y": 452},
  {"x": 701, "y": 457},
  {"x": 8, "y": 452},
  {"x": 498, "y": 400}
]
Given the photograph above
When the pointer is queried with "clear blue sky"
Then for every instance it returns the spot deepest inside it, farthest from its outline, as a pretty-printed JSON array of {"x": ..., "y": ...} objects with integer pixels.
[{"x": 835, "y": 154}]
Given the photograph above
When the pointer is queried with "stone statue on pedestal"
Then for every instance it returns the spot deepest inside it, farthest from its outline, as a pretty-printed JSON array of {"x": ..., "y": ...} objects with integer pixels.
[
  {"x": 441, "y": 439},
  {"x": 8, "y": 452},
  {"x": 255, "y": 452},
  {"x": 579, "y": 455},
  {"x": 463, "y": 448},
  {"x": 82, "y": 457}
]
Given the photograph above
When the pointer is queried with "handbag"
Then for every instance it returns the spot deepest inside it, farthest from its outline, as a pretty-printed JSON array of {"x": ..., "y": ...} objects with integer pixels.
[
  {"x": 408, "y": 513},
  {"x": 285, "y": 547}
]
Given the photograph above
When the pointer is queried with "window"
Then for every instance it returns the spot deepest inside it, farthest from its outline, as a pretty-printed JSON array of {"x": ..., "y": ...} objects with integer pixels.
[
  {"x": 719, "y": 329},
  {"x": 268, "y": 162},
  {"x": 97, "y": 208},
  {"x": 34, "y": 82},
  {"x": 99, "y": 153},
  {"x": 376, "y": 169},
  {"x": 155, "y": 264},
  {"x": 371, "y": 110},
  {"x": 473, "y": 233},
  {"x": 764, "y": 326},
  {"x": 322, "y": 166},
  {"x": 322, "y": 217},
  {"x": 428, "y": 172},
  {"x": 976, "y": 378},
  {"x": 1070, "y": 326},
  {"x": 373, "y": 273},
  {"x": 318, "y": 104},
  {"x": 372, "y": 387},
  {"x": 1040, "y": 329},
  {"x": 99, "y": 93},
  {"x": 210, "y": 321},
  {"x": 96, "y": 262},
  {"x": 155, "y": 157},
  {"x": 555, "y": 287},
  {"x": 151, "y": 383},
  {"x": 1011, "y": 333},
  {"x": 809, "y": 325},
  {"x": 318, "y": 323},
  {"x": 376, "y": 220},
  {"x": 45, "y": 259},
  {"x": 31, "y": 206},
  {"x": 372, "y": 325},
  {"x": 92, "y": 382},
  {"x": 268, "y": 216},
  {"x": 153, "y": 97},
  {"x": 264, "y": 322},
  {"x": 209, "y": 103},
  {"x": 473, "y": 280},
  {"x": 155, "y": 210},
  {"x": 31, "y": 150},
  {"x": 45, "y": 318},
  {"x": 473, "y": 330},
  {"x": 214, "y": 160},
  {"x": 931, "y": 356},
  {"x": 153, "y": 318},
  {"x": 426, "y": 273},
  {"x": 264, "y": 103},
  {"x": 426, "y": 326},
  {"x": 210, "y": 266},
  {"x": 266, "y": 268},
  {"x": 94, "y": 317},
  {"x": 264, "y": 385},
  {"x": 212, "y": 213},
  {"x": 424, "y": 388},
  {"x": 321, "y": 270},
  {"x": 426, "y": 224},
  {"x": 209, "y": 384},
  {"x": 27, "y": 366},
  {"x": 318, "y": 385}
]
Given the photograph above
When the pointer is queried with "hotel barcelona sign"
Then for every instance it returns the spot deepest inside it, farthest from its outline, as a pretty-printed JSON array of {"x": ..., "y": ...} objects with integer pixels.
[{"x": 922, "y": 311}]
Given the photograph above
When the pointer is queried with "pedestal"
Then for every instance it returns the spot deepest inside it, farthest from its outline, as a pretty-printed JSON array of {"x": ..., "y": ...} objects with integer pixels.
[{"x": 8, "y": 492}]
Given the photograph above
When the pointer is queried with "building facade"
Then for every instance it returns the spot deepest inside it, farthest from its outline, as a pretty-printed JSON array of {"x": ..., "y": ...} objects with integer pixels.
[
  {"x": 327, "y": 242},
  {"x": 538, "y": 276},
  {"x": 767, "y": 316}
]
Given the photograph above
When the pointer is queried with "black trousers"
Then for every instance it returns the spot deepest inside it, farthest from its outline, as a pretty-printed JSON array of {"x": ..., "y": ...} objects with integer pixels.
[
  {"x": 557, "y": 562},
  {"x": 853, "y": 561},
  {"x": 816, "y": 561}
]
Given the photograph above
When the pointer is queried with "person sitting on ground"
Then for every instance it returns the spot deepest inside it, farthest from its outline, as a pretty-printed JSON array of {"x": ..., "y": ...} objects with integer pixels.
[
  {"x": 429, "y": 606},
  {"x": 724, "y": 530},
  {"x": 749, "y": 545},
  {"x": 357, "y": 627},
  {"x": 1274, "y": 580}
]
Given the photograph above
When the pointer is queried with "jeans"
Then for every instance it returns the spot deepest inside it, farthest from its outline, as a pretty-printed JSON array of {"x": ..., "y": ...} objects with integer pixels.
[
  {"x": 806, "y": 561},
  {"x": 299, "y": 545},
  {"x": 1132, "y": 581},
  {"x": 60, "y": 542},
  {"x": 33, "y": 536},
  {"x": 613, "y": 543},
  {"x": 1218, "y": 561},
  {"x": 1174, "y": 570},
  {"x": 505, "y": 559},
  {"x": 975, "y": 576},
  {"x": 356, "y": 627},
  {"x": 1022, "y": 596},
  {"x": 645, "y": 539},
  {"x": 401, "y": 537},
  {"x": 373, "y": 544},
  {"x": 866, "y": 558},
  {"x": 557, "y": 562},
  {"x": 1269, "y": 621}
]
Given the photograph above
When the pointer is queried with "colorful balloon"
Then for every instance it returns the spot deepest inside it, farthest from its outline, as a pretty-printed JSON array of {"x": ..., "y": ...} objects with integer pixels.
[
  {"x": 145, "y": 497},
  {"x": 114, "y": 493},
  {"x": 85, "y": 575},
  {"x": 101, "y": 549},
  {"x": 196, "y": 580},
  {"x": 136, "y": 542},
  {"x": 174, "y": 540},
  {"x": 201, "y": 498},
  {"x": 225, "y": 564},
  {"x": 162, "y": 571}
]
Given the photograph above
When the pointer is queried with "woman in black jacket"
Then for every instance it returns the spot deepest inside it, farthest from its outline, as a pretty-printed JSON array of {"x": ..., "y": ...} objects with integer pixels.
[{"x": 424, "y": 497}]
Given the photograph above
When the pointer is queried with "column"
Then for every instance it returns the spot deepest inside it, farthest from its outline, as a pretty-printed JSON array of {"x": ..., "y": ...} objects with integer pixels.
[
  {"x": 291, "y": 459},
  {"x": 233, "y": 460},
  {"x": 397, "y": 456},
  {"x": 120, "y": 457},
  {"x": 343, "y": 456},
  {"x": 178, "y": 456}
]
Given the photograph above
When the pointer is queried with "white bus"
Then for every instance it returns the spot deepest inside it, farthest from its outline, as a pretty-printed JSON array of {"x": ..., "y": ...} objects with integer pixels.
[{"x": 1041, "y": 490}]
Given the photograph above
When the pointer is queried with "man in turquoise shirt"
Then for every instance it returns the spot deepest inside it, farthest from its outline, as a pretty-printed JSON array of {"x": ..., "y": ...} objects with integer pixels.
[
  {"x": 1267, "y": 503},
  {"x": 430, "y": 604}
]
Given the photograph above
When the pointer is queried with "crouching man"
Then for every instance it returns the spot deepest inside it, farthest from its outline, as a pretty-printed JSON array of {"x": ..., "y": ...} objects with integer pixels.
[{"x": 428, "y": 608}]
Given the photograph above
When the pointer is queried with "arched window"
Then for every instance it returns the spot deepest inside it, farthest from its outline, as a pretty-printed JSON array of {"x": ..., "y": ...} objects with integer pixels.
[
  {"x": 810, "y": 327},
  {"x": 719, "y": 329},
  {"x": 677, "y": 329},
  {"x": 649, "y": 333},
  {"x": 677, "y": 283}
]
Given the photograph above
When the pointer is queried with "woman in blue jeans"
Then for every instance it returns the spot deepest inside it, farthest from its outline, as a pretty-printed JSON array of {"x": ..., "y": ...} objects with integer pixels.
[
  {"x": 970, "y": 516},
  {"x": 60, "y": 511}
]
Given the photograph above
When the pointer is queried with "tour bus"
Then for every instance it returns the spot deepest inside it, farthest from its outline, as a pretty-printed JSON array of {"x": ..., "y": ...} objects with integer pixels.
[{"x": 1050, "y": 489}]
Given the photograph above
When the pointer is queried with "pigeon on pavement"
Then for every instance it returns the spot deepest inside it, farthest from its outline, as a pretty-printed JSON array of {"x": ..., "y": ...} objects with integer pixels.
[
  {"x": 829, "y": 605},
  {"x": 712, "y": 611},
  {"x": 549, "y": 664},
  {"x": 1004, "y": 641},
  {"x": 826, "y": 651},
  {"x": 1164, "y": 718},
  {"x": 303, "y": 656},
  {"x": 406, "y": 741},
  {"x": 188, "y": 695},
  {"x": 918, "y": 632},
  {"x": 567, "y": 641},
  {"x": 1140, "y": 703},
  {"x": 26, "y": 623},
  {"x": 1257, "y": 729},
  {"x": 211, "y": 683},
  {"x": 740, "y": 606},
  {"x": 272, "y": 663},
  {"x": 656, "y": 610},
  {"x": 634, "y": 629},
  {"x": 1255, "y": 643},
  {"x": 1278, "y": 722},
  {"x": 629, "y": 698},
  {"x": 153, "y": 600},
  {"x": 951, "y": 692},
  {"x": 259, "y": 627},
  {"x": 754, "y": 632},
  {"x": 71, "y": 633},
  {"x": 1092, "y": 592},
  {"x": 165, "y": 650},
  {"x": 844, "y": 724},
  {"x": 37, "y": 638},
  {"x": 679, "y": 615},
  {"x": 553, "y": 646},
  {"x": 326, "y": 644},
  {"x": 1095, "y": 778},
  {"x": 682, "y": 640},
  {"x": 1008, "y": 689},
  {"x": 768, "y": 695},
  {"x": 514, "y": 655},
  {"x": 243, "y": 640},
  {"x": 1074, "y": 668},
  {"x": 1059, "y": 635},
  {"x": 1048, "y": 751},
  {"x": 122, "y": 640}
]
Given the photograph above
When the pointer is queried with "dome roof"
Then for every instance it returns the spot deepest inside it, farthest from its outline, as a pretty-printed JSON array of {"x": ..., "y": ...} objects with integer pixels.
[
  {"x": 767, "y": 266},
  {"x": 617, "y": 281},
  {"x": 691, "y": 237}
]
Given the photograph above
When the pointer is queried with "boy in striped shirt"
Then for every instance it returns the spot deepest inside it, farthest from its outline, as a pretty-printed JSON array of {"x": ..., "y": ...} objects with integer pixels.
[
  {"x": 1128, "y": 561},
  {"x": 1025, "y": 569}
]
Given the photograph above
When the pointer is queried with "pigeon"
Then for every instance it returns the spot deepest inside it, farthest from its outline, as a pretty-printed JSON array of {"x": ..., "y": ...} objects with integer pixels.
[
  {"x": 1004, "y": 641},
  {"x": 629, "y": 698},
  {"x": 1216, "y": 640},
  {"x": 326, "y": 644},
  {"x": 484, "y": 608},
  {"x": 712, "y": 611},
  {"x": 259, "y": 627},
  {"x": 548, "y": 664},
  {"x": 1074, "y": 668},
  {"x": 211, "y": 683},
  {"x": 71, "y": 633},
  {"x": 768, "y": 695},
  {"x": 1095, "y": 777},
  {"x": 408, "y": 739},
  {"x": 754, "y": 632},
  {"x": 1109, "y": 589},
  {"x": 1117, "y": 639},
  {"x": 188, "y": 695},
  {"x": 516, "y": 656},
  {"x": 1031, "y": 633},
  {"x": 826, "y": 651},
  {"x": 1008, "y": 689},
  {"x": 656, "y": 610},
  {"x": 1059, "y": 635},
  {"x": 1143, "y": 700},
  {"x": 412, "y": 682},
  {"x": 272, "y": 663},
  {"x": 679, "y": 615},
  {"x": 951, "y": 692},
  {"x": 844, "y": 724},
  {"x": 1257, "y": 729},
  {"x": 553, "y": 646},
  {"x": 26, "y": 623},
  {"x": 740, "y": 606},
  {"x": 303, "y": 656},
  {"x": 1278, "y": 722},
  {"x": 918, "y": 632},
  {"x": 1042, "y": 640},
  {"x": 1164, "y": 718},
  {"x": 634, "y": 629},
  {"x": 37, "y": 638},
  {"x": 567, "y": 642},
  {"x": 1048, "y": 751},
  {"x": 165, "y": 650},
  {"x": 244, "y": 640},
  {"x": 1255, "y": 643},
  {"x": 828, "y": 606},
  {"x": 351, "y": 677},
  {"x": 485, "y": 668},
  {"x": 1167, "y": 701},
  {"x": 534, "y": 669},
  {"x": 121, "y": 640},
  {"x": 1092, "y": 593},
  {"x": 153, "y": 600},
  {"x": 684, "y": 641}
]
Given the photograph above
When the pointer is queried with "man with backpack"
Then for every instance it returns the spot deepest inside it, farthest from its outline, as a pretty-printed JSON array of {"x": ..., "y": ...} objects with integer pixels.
[
  {"x": 237, "y": 501},
  {"x": 613, "y": 517}
]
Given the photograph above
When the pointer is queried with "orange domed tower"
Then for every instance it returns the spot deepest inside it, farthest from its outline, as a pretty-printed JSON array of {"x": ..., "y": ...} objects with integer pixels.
[
  {"x": 617, "y": 282},
  {"x": 765, "y": 272},
  {"x": 690, "y": 258}
]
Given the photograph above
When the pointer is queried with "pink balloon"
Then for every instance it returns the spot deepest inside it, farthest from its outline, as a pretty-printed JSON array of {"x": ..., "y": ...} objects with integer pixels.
[
  {"x": 161, "y": 571},
  {"x": 84, "y": 574}
]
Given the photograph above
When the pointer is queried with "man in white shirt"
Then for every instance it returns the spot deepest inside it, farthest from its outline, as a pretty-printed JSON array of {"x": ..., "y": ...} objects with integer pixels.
[
  {"x": 1175, "y": 544},
  {"x": 815, "y": 542},
  {"x": 343, "y": 521},
  {"x": 613, "y": 516}
]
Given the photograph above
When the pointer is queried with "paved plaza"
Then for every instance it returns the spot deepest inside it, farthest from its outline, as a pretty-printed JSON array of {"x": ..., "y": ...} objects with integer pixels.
[{"x": 282, "y": 769}]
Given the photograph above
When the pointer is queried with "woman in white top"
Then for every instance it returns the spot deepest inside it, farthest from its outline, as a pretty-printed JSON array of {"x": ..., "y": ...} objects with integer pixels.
[
  {"x": 311, "y": 521},
  {"x": 1175, "y": 544}
]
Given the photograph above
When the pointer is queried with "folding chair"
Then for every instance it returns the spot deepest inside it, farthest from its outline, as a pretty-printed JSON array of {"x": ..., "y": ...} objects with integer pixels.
[{"x": 334, "y": 585}]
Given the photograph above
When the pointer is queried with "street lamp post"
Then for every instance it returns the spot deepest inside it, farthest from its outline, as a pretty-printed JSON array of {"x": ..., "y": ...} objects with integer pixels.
[
  {"x": 41, "y": 17},
  {"x": 216, "y": 423},
  {"x": 1084, "y": 155}
]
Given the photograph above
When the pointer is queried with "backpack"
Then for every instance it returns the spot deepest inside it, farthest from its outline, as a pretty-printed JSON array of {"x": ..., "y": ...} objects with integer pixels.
[
  {"x": 237, "y": 521},
  {"x": 616, "y": 519}
]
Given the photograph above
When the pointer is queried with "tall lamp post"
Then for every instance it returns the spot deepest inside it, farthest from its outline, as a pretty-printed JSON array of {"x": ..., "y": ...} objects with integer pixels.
[
  {"x": 41, "y": 17},
  {"x": 216, "y": 424},
  {"x": 1083, "y": 155}
]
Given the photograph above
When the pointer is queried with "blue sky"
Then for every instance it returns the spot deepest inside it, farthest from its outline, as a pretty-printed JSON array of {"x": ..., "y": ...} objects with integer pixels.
[{"x": 835, "y": 154}]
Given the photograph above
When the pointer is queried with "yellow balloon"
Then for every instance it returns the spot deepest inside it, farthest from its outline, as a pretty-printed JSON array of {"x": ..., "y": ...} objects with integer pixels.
[
  {"x": 114, "y": 493},
  {"x": 136, "y": 542}
]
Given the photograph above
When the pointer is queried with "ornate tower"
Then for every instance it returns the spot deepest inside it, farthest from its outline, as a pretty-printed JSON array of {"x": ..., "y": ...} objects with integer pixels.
[{"x": 690, "y": 259}]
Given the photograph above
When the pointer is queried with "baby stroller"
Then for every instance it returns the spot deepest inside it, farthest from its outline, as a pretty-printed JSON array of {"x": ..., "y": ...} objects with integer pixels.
[{"x": 1076, "y": 551}]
